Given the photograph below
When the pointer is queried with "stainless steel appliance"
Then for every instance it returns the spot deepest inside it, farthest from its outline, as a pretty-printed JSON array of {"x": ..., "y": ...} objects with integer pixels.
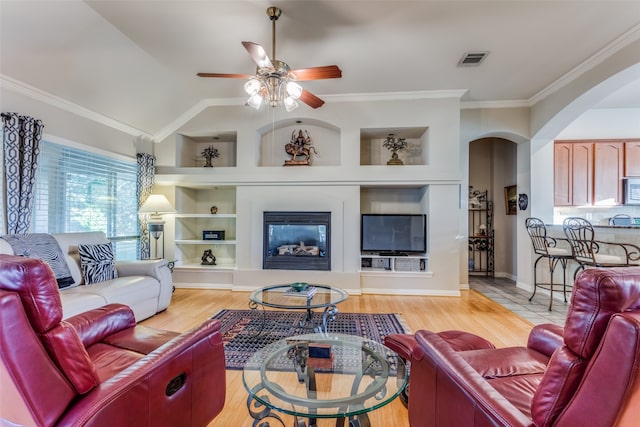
[{"x": 632, "y": 191}]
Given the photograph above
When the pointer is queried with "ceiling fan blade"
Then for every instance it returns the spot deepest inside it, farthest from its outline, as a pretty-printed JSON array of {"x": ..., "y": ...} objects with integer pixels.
[
  {"x": 310, "y": 99},
  {"x": 227, "y": 76},
  {"x": 318, "y": 73},
  {"x": 258, "y": 54}
]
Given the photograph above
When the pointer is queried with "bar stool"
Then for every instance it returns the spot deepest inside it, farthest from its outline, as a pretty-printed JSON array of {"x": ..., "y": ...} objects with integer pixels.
[
  {"x": 621, "y": 219},
  {"x": 587, "y": 251},
  {"x": 547, "y": 248}
]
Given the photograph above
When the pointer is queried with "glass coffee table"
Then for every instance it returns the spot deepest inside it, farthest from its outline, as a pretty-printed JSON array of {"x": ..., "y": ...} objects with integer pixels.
[
  {"x": 350, "y": 377},
  {"x": 313, "y": 296}
]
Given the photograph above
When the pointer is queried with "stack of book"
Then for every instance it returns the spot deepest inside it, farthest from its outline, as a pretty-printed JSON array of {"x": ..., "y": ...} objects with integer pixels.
[
  {"x": 306, "y": 293},
  {"x": 320, "y": 356}
]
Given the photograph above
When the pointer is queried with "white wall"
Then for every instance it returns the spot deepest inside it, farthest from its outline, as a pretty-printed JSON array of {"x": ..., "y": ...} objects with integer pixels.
[
  {"x": 60, "y": 124},
  {"x": 604, "y": 124}
]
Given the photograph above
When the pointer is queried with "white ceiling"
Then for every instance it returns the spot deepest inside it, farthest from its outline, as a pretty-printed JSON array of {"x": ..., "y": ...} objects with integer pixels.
[{"x": 136, "y": 61}]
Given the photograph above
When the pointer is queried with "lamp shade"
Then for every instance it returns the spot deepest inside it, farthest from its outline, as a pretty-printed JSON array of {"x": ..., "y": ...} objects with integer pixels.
[{"x": 156, "y": 204}]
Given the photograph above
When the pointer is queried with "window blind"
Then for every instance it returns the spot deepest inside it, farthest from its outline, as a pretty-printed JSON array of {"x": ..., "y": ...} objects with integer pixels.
[{"x": 80, "y": 191}]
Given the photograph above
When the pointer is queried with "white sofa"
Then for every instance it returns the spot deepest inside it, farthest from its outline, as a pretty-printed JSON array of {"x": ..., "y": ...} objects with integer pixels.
[{"x": 146, "y": 286}]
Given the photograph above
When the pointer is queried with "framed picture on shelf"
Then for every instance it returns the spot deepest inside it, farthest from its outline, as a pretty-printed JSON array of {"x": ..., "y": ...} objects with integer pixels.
[
  {"x": 511, "y": 200},
  {"x": 213, "y": 235}
]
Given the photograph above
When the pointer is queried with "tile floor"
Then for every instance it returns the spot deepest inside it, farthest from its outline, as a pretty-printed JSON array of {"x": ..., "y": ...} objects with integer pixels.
[{"x": 504, "y": 292}]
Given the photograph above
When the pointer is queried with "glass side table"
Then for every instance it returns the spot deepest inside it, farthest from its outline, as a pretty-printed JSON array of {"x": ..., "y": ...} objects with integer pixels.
[{"x": 356, "y": 376}]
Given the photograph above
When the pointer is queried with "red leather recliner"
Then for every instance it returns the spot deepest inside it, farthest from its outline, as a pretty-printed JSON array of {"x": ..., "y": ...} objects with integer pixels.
[
  {"x": 98, "y": 368},
  {"x": 587, "y": 374}
]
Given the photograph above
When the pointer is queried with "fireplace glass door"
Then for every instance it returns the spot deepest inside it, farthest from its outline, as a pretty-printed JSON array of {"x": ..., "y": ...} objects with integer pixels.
[{"x": 297, "y": 240}]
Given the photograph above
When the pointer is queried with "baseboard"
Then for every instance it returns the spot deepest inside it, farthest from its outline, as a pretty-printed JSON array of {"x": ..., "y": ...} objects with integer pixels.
[
  {"x": 504, "y": 275},
  {"x": 408, "y": 292},
  {"x": 217, "y": 286}
]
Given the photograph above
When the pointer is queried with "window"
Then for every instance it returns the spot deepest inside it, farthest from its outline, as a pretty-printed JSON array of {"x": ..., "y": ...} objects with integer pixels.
[{"x": 82, "y": 191}]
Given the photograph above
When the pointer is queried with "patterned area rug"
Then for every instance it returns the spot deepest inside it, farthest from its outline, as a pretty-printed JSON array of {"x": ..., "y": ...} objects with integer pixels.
[{"x": 244, "y": 331}]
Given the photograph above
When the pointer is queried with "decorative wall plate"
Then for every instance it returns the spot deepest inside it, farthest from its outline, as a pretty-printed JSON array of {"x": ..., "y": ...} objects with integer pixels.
[{"x": 523, "y": 201}]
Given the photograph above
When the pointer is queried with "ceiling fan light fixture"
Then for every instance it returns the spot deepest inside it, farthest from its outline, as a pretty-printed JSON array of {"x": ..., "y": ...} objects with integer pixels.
[
  {"x": 294, "y": 90},
  {"x": 290, "y": 104},
  {"x": 252, "y": 86},
  {"x": 255, "y": 101},
  {"x": 274, "y": 81}
]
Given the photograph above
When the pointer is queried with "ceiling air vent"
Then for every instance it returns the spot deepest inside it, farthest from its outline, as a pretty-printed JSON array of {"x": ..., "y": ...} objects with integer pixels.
[{"x": 472, "y": 59}]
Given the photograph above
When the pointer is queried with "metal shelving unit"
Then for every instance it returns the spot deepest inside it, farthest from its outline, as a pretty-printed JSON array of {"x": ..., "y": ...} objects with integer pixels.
[{"x": 481, "y": 236}]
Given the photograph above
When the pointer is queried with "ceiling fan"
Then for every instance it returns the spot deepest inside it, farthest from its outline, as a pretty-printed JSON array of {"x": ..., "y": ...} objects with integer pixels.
[{"x": 274, "y": 82}]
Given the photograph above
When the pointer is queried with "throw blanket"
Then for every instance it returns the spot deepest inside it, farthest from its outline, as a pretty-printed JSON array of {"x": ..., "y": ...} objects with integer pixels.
[{"x": 45, "y": 247}]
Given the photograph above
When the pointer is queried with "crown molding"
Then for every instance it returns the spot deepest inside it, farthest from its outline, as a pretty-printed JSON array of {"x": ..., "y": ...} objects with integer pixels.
[
  {"x": 599, "y": 57},
  {"x": 55, "y": 101},
  {"x": 516, "y": 103},
  {"x": 397, "y": 96}
]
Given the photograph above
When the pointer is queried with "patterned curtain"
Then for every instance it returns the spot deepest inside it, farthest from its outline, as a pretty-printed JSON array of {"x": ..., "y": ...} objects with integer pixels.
[
  {"x": 21, "y": 148},
  {"x": 146, "y": 175}
]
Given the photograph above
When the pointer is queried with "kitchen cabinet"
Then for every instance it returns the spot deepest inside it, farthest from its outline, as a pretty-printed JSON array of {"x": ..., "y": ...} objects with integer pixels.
[
  {"x": 590, "y": 172},
  {"x": 573, "y": 173},
  {"x": 608, "y": 160},
  {"x": 632, "y": 158}
]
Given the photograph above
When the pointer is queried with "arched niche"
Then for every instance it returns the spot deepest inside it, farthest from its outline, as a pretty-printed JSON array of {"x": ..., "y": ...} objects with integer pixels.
[
  {"x": 273, "y": 137},
  {"x": 372, "y": 151}
]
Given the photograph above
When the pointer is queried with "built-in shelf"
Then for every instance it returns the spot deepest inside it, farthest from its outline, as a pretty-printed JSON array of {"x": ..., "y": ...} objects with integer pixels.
[
  {"x": 212, "y": 216},
  {"x": 324, "y": 138},
  {"x": 394, "y": 264},
  {"x": 372, "y": 151},
  {"x": 383, "y": 189},
  {"x": 218, "y": 266},
  {"x": 195, "y": 219},
  {"x": 204, "y": 242},
  {"x": 189, "y": 149}
]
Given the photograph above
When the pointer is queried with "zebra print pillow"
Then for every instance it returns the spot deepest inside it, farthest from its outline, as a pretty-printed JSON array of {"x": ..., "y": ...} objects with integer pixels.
[{"x": 98, "y": 263}]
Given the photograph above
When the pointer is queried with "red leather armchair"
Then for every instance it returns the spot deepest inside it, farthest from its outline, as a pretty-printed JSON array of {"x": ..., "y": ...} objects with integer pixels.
[
  {"x": 98, "y": 368},
  {"x": 585, "y": 374}
]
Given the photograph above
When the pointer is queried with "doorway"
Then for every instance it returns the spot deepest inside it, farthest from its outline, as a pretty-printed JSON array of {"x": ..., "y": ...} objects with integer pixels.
[{"x": 493, "y": 168}]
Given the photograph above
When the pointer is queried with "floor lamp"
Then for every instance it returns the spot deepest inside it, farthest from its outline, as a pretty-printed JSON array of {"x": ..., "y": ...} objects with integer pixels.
[{"x": 155, "y": 206}]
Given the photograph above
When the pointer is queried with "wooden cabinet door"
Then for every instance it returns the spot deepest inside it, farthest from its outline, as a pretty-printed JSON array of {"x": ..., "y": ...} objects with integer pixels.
[
  {"x": 582, "y": 173},
  {"x": 632, "y": 158},
  {"x": 562, "y": 174},
  {"x": 607, "y": 173}
]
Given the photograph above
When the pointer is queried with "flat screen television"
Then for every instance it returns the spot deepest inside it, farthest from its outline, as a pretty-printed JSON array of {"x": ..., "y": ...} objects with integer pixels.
[{"x": 393, "y": 234}]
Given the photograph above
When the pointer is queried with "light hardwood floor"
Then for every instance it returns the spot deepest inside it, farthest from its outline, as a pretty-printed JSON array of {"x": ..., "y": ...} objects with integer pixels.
[{"x": 471, "y": 312}]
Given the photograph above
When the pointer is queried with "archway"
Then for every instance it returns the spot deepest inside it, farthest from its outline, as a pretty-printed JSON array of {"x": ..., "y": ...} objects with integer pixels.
[{"x": 493, "y": 168}]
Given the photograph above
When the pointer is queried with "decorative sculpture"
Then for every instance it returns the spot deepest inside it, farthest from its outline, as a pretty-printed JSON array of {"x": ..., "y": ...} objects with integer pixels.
[
  {"x": 300, "y": 146},
  {"x": 394, "y": 145},
  {"x": 210, "y": 153},
  {"x": 208, "y": 258}
]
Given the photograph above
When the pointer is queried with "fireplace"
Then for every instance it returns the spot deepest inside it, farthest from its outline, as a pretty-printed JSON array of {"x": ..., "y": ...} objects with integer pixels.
[{"x": 297, "y": 241}]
